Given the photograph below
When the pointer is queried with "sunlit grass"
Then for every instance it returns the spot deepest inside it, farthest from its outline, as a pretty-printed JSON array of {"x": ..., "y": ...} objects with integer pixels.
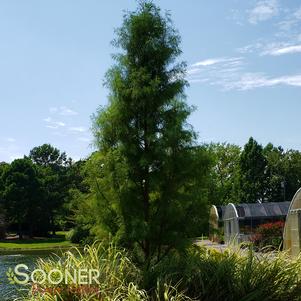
[
  {"x": 58, "y": 241},
  {"x": 34, "y": 245}
]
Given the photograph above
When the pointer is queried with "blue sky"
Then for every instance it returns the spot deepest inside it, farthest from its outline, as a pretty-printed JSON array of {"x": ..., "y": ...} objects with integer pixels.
[{"x": 244, "y": 69}]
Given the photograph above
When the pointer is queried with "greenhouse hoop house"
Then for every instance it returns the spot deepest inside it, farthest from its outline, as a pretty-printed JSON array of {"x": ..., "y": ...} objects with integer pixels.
[{"x": 241, "y": 220}]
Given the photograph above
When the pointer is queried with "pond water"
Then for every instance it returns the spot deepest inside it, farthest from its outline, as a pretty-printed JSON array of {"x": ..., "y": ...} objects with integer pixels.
[{"x": 8, "y": 292}]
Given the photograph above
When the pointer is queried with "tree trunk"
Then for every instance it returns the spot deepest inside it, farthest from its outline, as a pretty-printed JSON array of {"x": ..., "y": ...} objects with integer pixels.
[
  {"x": 20, "y": 231},
  {"x": 52, "y": 225}
]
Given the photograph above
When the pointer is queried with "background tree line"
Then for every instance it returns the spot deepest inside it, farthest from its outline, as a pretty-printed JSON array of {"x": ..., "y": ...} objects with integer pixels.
[
  {"x": 47, "y": 191},
  {"x": 34, "y": 191},
  {"x": 253, "y": 173}
]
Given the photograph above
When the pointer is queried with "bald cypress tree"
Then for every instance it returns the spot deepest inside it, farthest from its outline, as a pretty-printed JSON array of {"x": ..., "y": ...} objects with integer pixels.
[{"x": 151, "y": 164}]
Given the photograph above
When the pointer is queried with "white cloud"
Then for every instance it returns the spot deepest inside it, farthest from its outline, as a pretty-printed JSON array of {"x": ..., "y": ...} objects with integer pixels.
[
  {"x": 273, "y": 48},
  {"x": 291, "y": 21},
  {"x": 10, "y": 152},
  {"x": 213, "y": 64},
  {"x": 208, "y": 62},
  {"x": 59, "y": 123},
  {"x": 283, "y": 50},
  {"x": 230, "y": 74},
  {"x": 53, "y": 124},
  {"x": 53, "y": 109},
  {"x": 51, "y": 127},
  {"x": 236, "y": 16},
  {"x": 63, "y": 110},
  {"x": 78, "y": 129},
  {"x": 201, "y": 72},
  {"x": 214, "y": 61},
  {"x": 263, "y": 10},
  {"x": 57, "y": 133},
  {"x": 67, "y": 111},
  {"x": 286, "y": 37},
  {"x": 84, "y": 139},
  {"x": 250, "y": 48},
  {"x": 297, "y": 13},
  {"x": 250, "y": 81},
  {"x": 10, "y": 139}
]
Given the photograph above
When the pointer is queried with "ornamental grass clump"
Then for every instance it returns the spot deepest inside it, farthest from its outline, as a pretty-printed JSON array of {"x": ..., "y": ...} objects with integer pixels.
[
  {"x": 199, "y": 274},
  {"x": 231, "y": 275},
  {"x": 116, "y": 275},
  {"x": 117, "y": 278}
]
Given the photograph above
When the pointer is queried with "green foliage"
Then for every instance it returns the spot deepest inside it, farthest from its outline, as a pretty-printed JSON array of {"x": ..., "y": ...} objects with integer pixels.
[
  {"x": 53, "y": 166},
  {"x": 47, "y": 155},
  {"x": 275, "y": 172},
  {"x": 200, "y": 274},
  {"x": 268, "y": 174},
  {"x": 78, "y": 235},
  {"x": 3, "y": 167},
  {"x": 93, "y": 214},
  {"x": 210, "y": 275},
  {"x": 119, "y": 278},
  {"x": 35, "y": 191},
  {"x": 292, "y": 173},
  {"x": 117, "y": 275},
  {"x": 149, "y": 191},
  {"x": 21, "y": 194},
  {"x": 253, "y": 178},
  {"x": 224, "y": 177}
]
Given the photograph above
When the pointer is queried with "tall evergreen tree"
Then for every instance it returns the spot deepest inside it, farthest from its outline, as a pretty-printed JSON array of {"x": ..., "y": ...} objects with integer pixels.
[
  {"x": 147, "y": 146},
  {"x": 253, "y": 169}
]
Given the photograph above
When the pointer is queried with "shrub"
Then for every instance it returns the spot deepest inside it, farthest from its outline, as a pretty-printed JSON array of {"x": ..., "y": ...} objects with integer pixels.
[
  {"x": 78, "y": 235},
  {"x": 269, "y": 234}
]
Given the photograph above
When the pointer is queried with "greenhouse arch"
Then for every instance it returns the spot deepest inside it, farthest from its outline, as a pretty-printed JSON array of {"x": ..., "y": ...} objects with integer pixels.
[
  {"x": 292, "y": 231},
  {"x": 216, "y": 216}
]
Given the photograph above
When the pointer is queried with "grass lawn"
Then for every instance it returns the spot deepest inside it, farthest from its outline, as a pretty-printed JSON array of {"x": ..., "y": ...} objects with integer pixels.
[{"x": 59, "y": 241}]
